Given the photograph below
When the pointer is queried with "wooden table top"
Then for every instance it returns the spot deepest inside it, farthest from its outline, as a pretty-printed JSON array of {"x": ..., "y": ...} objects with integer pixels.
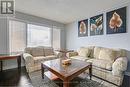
[
  {"x": 12, "y": 55},
  {"x": 65, "y": 70}
]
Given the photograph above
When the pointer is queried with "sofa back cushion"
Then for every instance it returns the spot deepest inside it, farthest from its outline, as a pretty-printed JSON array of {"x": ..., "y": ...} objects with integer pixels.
[
  {"x": 37, "y": 51},
  {"x": 27, "y": 50},
  {"x": 120, "y": 52},
  {"x": 108, "y": 54},
  {"x": 48, "y": 51},
  {"x": 84, "y": 52},
  {"x": 97, "y": 52}
]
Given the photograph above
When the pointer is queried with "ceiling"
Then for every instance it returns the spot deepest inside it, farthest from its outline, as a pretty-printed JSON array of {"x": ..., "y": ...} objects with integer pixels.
[{"x": 65, "y": 11}]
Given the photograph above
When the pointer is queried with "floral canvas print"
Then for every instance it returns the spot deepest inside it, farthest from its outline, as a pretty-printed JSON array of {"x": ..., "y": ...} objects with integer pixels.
[
  {"x": 83, "y": 28},
  {"x": 96, "y": 25},
  {"x": 116, "y": 21}
]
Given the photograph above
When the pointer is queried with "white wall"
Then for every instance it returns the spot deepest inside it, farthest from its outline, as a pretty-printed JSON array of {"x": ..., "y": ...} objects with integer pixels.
[{"x": 121, "y": 40}]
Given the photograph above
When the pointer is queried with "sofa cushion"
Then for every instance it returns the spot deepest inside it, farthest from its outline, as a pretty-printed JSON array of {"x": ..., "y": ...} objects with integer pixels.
[
  {"x": 107, "y": 54},
  {"x": 84, "y": 52},
  {"x": 120, "y": 52},
  {"x": 101, "y": 63},
  {"x": 51, "y": 57},
  {"x": 80, "y": 58},
  {"x": 96, "y": 52},
  {"x": 37, "y": 51},
  {"x": 39, "y": 59},
  {"x": 48, "y": 51}
]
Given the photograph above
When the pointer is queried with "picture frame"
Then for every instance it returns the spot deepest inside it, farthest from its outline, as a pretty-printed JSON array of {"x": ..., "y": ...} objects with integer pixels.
[
  {"x": 83, "y": 28},
  {"x": 116, "y": 21},
  {"x": 96, "y": 25}
]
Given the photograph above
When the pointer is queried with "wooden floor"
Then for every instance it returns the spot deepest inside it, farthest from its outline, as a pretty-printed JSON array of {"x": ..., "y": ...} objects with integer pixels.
[
  {"x": 19, "y": 78},
  {"x": 15, "y": 78}
]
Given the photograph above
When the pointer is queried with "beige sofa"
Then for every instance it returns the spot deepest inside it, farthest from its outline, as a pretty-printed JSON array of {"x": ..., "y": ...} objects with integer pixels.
[
  {"x": 108, "y": 64},
  {"x": 34, "y": 55}
]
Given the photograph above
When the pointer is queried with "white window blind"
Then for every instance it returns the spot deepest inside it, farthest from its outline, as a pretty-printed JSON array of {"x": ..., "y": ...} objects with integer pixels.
[
  {"x": 56, "y": 38},
  {"x": 17, "y": 36},
  {"x": 38, "y": 36}
]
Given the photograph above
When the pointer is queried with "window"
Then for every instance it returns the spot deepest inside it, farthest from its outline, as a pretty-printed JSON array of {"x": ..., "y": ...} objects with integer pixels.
[
  {"x": 38, "y": 35},
  {"x": 56, "y": 38},
  {"x": 17, "y": 36},
  {"x": 22, "y": 35}
]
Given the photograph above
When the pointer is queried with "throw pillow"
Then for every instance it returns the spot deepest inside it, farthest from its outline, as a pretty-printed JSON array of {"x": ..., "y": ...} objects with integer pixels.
[
  {"x": 84, "y": 52},
  {"x": 96, "y": 52}
]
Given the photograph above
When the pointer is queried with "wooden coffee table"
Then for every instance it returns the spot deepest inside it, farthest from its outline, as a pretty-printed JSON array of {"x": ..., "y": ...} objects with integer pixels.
[{"x": 66, "y": 72}]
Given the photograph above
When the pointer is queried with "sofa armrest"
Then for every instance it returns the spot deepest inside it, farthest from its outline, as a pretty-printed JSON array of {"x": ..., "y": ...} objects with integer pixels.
[
  {"x": 58, "y": 54},
  {"x": 70, "y": 54},
  {"x": 29, "y": 61},
  {"x": 119, "y": 66}
]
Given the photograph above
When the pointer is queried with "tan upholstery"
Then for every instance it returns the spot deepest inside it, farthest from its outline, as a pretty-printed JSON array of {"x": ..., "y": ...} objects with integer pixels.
[
  {"x": 51, "y": 57},
  {"x": 37, "y": 51},
  {"x": 33, "y": 57},
  {"x": 101, "y": 63},
  {"x": 108, "y": 64},
  {"x": 107, "y": 54},
  {"x": 38, "y": 59},
  {"x": 96, "y": 52},
  {"x": 70, "y": 54},
  {"x": 28, "y": 50},
  {"x": 29, "y": 59},
  {"x": 84, "y": 52},
  {"x": 119, "y": 66},
  {"x": 48, "y": 51},
  {"x": 80, "y": 58},
  {"x": 92, "y": 51},
  {"x": 120, "y": 52},
  {"x": 107, "y": 75}
]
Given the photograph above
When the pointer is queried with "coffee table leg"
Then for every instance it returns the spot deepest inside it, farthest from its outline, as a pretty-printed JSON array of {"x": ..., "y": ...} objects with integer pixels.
[
  {"x": 42, "y": 70},
  {"x": 90, "y": 71},
  {"x": 65, "y": 83}
]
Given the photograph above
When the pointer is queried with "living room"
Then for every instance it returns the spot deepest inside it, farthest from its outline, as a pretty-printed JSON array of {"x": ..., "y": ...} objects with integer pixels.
[{"x": 78, "y": 43}]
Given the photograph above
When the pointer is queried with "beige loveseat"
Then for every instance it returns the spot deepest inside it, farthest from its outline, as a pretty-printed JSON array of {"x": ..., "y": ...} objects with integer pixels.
[
  {"x": 34, "y": 55},
  {"x": 108, "y": 64}
]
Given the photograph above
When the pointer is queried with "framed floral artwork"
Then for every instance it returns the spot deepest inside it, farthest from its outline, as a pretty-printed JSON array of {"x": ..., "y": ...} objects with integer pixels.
[
  {"x": 116, "y": 21},
  {"x": 83, "y": 28},
  {"x": 96, "y": 25}
]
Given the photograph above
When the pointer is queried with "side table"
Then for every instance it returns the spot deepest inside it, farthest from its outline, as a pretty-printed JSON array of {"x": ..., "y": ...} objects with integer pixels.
[
  {"x": 64, "y": 51},
  {"x": 10, "y": 56}
]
